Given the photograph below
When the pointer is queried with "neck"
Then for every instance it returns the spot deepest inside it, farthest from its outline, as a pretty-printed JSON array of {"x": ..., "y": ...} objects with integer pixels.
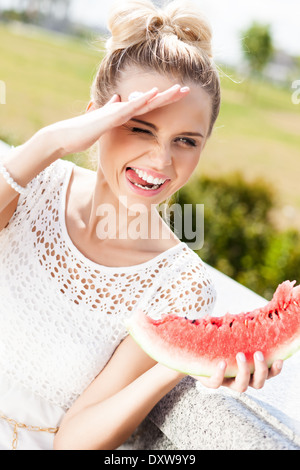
[{"x": 112, "y": 218}]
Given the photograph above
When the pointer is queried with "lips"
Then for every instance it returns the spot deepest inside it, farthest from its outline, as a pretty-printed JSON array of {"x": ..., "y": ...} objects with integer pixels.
[
  {"x": 152, "y": 173},
  {"x": 144, "y": 188}
]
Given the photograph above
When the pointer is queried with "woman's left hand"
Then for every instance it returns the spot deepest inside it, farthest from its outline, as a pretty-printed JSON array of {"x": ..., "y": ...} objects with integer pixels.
[{"x": 244, "y": 378}]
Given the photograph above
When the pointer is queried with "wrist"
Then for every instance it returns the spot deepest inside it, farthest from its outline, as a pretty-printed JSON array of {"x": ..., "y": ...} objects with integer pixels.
[
  {"x": 171, "y": 375},
  {"x": 26, "y": 161},
  {"x": 47, "y": 141}
]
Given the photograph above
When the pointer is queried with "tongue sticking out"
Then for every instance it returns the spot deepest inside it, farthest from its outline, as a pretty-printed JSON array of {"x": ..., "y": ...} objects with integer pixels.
[{"x": 134, "y": 178}]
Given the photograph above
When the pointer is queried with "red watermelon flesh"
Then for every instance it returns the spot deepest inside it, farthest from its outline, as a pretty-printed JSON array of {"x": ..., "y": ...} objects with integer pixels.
[{"x": 195, "y": 347}]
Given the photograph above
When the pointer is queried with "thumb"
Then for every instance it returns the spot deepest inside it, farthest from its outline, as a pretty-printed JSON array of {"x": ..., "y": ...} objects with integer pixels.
[{"x": 114, "y": 99}]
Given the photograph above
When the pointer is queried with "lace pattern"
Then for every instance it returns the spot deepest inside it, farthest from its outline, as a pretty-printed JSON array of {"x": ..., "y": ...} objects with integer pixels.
[{"x": 61, "y": 314}]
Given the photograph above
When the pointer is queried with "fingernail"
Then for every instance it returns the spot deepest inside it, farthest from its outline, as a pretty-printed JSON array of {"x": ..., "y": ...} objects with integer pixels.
[
  {"x": 279, "y": 365},
  {"x": 241, "y": 357},
  {"x": 134, "y": 95},
  {"x": 222, "y": 365},
  {"x": 259, "y": 356}
]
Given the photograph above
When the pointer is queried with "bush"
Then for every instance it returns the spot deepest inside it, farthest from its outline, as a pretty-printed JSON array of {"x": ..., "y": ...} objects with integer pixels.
[
  {"x": 240, "y": 240},
  {"x": 282, "y": 259}
]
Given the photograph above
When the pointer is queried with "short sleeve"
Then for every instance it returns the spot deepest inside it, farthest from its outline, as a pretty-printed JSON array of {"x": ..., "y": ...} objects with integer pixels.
[
  {"x": 29, "y": 202},
  {"x": 185, "y": 290}
]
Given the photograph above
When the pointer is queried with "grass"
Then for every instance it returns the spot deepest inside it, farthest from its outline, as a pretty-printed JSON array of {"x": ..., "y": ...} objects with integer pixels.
[
  {"x": 48, "y": 78},
  {"x": 258, "y": 135}
]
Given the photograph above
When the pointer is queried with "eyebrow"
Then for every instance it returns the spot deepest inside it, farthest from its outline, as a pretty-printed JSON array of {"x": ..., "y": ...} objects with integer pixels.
[{"x": 149, "y": 124}]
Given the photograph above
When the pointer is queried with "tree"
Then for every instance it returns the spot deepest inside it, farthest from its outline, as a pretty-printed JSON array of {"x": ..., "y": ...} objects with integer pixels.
[{"x": 257, "y": 46}]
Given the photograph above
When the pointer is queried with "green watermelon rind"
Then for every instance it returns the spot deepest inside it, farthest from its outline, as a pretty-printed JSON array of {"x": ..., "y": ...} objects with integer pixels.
[{"x": 177, "y": 360}]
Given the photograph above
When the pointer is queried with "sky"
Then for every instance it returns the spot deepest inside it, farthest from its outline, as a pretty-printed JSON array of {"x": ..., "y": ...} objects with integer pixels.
[{"x": 227, "y": 18}]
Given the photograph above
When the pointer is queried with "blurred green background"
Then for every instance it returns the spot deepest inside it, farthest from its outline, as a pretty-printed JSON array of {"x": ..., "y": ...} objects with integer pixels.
[{"x": 248, "y": 176}]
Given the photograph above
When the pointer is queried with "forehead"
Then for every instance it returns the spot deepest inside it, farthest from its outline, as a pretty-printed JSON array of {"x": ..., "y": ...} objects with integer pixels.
[{"x": 193, "y": 110}]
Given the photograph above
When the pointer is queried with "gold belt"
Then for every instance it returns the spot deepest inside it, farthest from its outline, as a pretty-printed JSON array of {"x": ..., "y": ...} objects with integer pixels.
[{"x": 17, "y": 425}]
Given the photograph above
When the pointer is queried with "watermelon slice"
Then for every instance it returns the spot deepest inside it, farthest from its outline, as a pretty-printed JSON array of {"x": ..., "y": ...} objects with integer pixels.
[{"x": 195, "y": 347}]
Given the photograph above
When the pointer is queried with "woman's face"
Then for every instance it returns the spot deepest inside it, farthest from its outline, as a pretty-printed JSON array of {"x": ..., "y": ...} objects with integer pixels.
[{"x": 167, "y": 141}]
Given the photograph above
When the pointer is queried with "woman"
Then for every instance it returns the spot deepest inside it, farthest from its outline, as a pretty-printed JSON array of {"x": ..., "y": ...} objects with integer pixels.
[{"x": 71, "y": 378}]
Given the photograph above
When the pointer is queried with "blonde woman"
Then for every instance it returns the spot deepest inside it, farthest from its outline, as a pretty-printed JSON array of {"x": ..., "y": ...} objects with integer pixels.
[{"x": 70, "y": 376}]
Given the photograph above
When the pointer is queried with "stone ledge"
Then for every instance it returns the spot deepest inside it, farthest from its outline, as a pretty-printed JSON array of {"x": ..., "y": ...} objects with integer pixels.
[
  {"x": 200, "y": 420},
  {"x": 192, "y": 419}
]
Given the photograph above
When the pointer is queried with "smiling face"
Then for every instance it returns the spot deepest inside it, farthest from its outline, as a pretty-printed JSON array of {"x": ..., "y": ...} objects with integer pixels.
[{"x": 165, "y": 143}]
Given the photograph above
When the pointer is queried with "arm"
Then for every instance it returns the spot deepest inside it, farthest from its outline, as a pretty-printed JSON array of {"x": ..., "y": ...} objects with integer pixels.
[
  {"x": 24, "y": 163},
  {"x": 116, "y": 402},
  {"x": 70, "y": 136},
  {"x": 127, "y": 389}
]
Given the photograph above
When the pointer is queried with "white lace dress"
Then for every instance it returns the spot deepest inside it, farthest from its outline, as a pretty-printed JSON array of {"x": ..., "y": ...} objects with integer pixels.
[{"x": 62, "y": 315}]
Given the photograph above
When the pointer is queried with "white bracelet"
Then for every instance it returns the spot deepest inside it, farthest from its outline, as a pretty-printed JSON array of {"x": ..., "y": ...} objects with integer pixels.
[{"x": 11, "y": 182}]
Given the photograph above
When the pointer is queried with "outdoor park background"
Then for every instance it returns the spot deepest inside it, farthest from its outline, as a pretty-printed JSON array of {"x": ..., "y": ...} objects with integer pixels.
[{"x": 248, "y": 177}]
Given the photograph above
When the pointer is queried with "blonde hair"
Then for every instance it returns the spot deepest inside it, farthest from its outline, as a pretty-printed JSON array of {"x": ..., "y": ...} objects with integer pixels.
[{"x": 174, "y": 41}]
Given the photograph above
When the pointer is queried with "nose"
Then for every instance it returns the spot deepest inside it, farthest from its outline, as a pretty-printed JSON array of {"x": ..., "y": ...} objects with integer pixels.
[{"x": 161, "y": 156}]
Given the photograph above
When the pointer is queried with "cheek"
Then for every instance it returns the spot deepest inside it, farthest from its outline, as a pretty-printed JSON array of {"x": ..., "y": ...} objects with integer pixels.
[
  {"x": 121, "y": 146},
  {"x": 110, "y": 142},
  {"x": 185, "y": 166}
]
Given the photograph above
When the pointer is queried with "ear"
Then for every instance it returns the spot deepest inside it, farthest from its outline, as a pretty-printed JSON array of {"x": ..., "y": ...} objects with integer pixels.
[{"x": 90, "y": 107}]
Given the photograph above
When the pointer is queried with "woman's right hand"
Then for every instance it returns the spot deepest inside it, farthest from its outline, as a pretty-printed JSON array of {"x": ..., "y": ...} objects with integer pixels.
[{"x": 80, "y": 133}]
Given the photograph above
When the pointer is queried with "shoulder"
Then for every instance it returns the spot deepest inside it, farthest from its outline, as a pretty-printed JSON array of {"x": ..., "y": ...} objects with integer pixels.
[
  {"x": 46, "y": 185},
  {"x": 186, "y": 287},
  {"x": 81, "y": 173}
]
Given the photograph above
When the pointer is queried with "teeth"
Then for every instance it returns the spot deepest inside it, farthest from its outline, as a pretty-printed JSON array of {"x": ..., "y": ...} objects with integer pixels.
[
  {"x": 149, "y": 178},
  {"x": 145, "y": 187}
]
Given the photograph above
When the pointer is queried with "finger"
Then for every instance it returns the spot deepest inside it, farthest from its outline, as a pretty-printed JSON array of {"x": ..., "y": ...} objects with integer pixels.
[
  {"x": 114, "y": 99},
  {"x": 275, "y": 369},
  {"x": 216, "y": 380},
  {"x": 171, "y": 95},
  {"x": 261, "y": 371},
  {"x": 136, "y": 96},
  {"x": 140, "y": 99},
  {"x": 241, "y": 382},
  {"x": 128, "y": 109}
]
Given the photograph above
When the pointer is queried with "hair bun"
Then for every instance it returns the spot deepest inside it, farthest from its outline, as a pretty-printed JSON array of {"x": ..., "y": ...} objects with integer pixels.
[
  {"x": 135, "y": 21},
  {"x": 189, "y": 24}
]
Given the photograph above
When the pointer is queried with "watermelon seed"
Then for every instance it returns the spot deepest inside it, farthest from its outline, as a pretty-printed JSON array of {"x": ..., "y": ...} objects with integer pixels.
[
  {"x": 230, "y": 324},
  {"x": 270, "y": 315}
]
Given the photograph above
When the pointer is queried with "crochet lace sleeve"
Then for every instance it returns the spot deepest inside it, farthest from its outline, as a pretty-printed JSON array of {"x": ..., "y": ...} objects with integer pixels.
[
  {"x": 29, "y": 202},
  {"x": 184, "y": 289}
]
